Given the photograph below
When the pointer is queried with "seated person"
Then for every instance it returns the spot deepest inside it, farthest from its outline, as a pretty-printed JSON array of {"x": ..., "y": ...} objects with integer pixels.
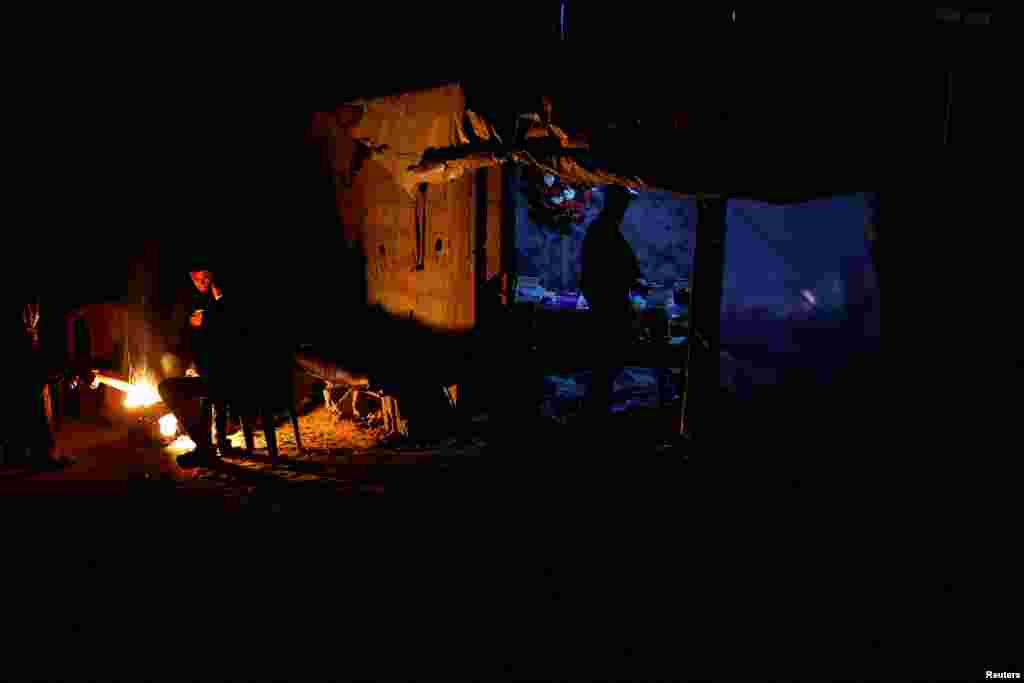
[{"x": 218, "y": 346}]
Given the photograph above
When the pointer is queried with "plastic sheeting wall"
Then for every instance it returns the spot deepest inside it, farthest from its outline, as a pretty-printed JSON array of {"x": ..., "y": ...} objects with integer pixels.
[{"x": 800, "y": 293}]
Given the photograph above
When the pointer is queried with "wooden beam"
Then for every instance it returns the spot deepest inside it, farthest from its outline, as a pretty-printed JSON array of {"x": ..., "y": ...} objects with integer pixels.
[
  {"x": 511, "y": 179},
  {"x": 702, "y": 367},
  {"x": 480, "y": 234},
  {"x": 874, "y": 213}
]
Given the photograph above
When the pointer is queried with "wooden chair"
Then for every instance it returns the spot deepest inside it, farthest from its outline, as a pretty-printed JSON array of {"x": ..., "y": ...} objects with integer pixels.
[
  {"x": 265, "y": 398},
  {"x": 267, "y": 414}
]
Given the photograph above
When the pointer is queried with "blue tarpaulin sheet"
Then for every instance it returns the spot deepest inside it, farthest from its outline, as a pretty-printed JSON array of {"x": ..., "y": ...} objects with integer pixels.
[{"x": 800, "y": 293}]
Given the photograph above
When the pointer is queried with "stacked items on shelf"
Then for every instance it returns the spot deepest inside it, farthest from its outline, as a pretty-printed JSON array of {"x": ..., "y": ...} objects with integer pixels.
[
  {"x": 656, "y": 295},
  {"x": 530, "y": 290}
]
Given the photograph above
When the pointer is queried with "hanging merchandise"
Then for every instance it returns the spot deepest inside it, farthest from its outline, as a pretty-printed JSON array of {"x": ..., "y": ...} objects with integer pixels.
[{"x": 555, "y": 203}]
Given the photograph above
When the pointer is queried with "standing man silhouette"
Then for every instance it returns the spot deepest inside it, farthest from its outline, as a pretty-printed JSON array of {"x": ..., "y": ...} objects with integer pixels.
[{"x": 609, "y": 270}]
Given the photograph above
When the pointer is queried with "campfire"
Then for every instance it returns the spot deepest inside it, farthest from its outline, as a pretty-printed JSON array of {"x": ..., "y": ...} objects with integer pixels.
[
  {"x": 143, "y": 394},
  {"x": 169, "y": 425}
]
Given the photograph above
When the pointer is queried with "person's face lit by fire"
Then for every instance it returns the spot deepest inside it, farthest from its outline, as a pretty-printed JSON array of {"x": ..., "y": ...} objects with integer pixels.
[{"x": 203, "y": 280}]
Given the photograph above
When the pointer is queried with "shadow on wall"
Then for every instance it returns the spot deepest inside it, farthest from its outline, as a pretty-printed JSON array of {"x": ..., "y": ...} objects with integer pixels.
[{"x": 279, "y": 247}]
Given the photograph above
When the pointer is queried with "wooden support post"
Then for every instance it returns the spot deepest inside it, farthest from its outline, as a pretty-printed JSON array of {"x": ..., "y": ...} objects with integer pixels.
[
  {"x": 514, "y": 380},
  {"x": 702, "y": 367},
  {"x": 564, "y": 246},
  {"x": 480, "y": 236},
  {"x": 510, "y": 178},
  {"x": 874, "y": 206}
]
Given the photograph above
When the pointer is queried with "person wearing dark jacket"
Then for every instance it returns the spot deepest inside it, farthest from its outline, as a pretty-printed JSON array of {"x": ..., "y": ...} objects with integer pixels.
[
  {"x": 27, "y": 437},
  {"x": 609, "y": 270},
  {"x": 218, "y": 344}
]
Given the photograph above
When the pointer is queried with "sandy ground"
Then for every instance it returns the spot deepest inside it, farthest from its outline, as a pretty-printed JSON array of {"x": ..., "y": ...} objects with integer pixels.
[
  {"x": 335, "y": 457},
  {"x": 331, "y": 459},
  {"x": 344, "y": 442}
]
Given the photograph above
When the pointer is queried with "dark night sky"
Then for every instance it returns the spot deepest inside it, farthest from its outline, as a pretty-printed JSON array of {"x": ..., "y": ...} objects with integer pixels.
[
  {"x": 186, "y": 160},
  {"x": 172, "y": 181}
]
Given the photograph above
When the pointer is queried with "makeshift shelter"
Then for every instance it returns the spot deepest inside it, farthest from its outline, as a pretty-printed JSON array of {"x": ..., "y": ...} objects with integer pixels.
[
  {"x": 425, "y": 191},
  {"x": 428, "y": 185}
]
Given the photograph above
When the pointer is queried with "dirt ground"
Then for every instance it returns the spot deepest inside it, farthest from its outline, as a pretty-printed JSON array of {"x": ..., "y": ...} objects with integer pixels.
[
  {"x": 331, "y": 459},
  {"x": 335, "y": 457}
]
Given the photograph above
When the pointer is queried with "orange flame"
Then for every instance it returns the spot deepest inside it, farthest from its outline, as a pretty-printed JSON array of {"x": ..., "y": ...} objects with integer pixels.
[
  {"x": 183, "y": 442},
  {"x": 141, "y": 395},
  {"x": 168, "y": 425}
]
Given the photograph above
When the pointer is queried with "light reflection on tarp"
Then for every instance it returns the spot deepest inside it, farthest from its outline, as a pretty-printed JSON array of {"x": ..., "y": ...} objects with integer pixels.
[{"x": 800, "y": 289}]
